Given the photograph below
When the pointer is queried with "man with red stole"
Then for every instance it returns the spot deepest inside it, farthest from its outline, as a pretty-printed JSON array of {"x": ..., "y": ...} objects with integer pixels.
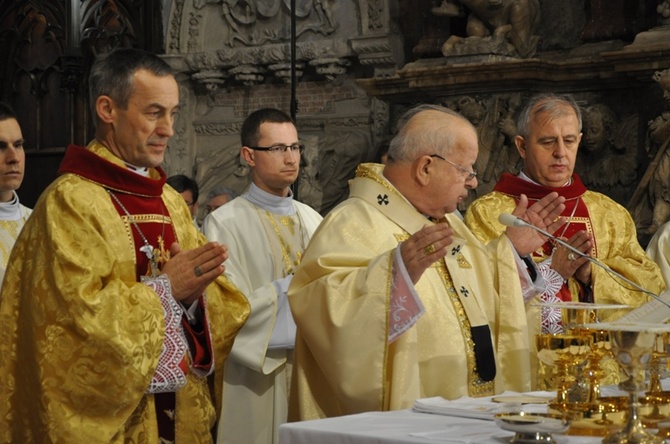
[
  {"x": 549, "y": 131},
  {"x": 114, "y": 314}
]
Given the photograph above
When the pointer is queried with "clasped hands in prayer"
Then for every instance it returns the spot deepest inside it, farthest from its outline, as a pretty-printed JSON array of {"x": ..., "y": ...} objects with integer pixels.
[
  {"x": 191, "y": 271},
  {"x": 429, "y": 244},
  {"x": 568, "y": 264}
]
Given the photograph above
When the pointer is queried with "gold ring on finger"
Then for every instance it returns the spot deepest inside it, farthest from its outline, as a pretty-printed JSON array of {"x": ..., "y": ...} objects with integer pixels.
[
  {"x": 572, "y": 257},
  {"x": 430, "y": 249}
]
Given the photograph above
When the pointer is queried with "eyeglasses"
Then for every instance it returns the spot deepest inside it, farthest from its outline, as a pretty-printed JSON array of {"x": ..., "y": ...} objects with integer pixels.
[
  {"x": 280, "y": 149},
  {"x": 469, "y": 175}
]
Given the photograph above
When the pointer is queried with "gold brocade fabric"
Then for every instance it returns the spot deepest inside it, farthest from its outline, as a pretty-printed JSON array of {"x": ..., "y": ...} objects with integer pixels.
[
  {"x": 286, "y": 243},
  {"x": 616, "y": 238},
  {"x": 340, "y": 298},
  {"x": 80, "y": 338},
  {"x": 9, "y": 231},
  {"x": 617, "y": 247}
]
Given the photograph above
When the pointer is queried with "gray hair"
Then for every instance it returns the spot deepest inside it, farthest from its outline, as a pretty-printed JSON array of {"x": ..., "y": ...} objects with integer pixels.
[
  {"x": 220, "y": 190},
  {"x": 407, "y": 146},
  {"x": 112, "y": 75},
  {"x": 551, "y": 103}
]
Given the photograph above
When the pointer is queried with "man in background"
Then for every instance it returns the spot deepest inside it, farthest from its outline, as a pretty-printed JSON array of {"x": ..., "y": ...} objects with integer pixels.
[
  {"x": 13, "y": 215},
  {"x": 266, "y": 231},
  {"x": 218, "y": 196},
  {"x": 188, "y": 188}
]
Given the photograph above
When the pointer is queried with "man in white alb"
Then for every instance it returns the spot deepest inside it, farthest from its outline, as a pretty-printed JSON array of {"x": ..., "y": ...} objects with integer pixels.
[
  {"x": 12, "y": 165},
  {"x": 266, "y": 231}
]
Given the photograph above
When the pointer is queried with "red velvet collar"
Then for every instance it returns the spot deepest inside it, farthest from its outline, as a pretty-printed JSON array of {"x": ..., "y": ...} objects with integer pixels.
[
  {"x": 515, "y": 186},
  {"x": 82, "y": 162}
]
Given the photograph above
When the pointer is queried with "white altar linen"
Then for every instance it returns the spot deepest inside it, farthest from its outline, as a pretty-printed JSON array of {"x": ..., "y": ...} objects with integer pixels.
[
  {"x": 486, "y": 407},
  {"x": 404, "y": 427},
  {"x": 461, "y": 421}
]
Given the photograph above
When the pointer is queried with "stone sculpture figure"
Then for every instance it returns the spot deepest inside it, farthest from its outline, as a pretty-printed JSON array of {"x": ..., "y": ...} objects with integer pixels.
[
  {"x": 650, "y": 203},
  {"x": 659, "y": 138},
  {"x": 492, "y": 118},
  {"x": 607, "y": 159},
  {"x": 505, "y": 27}
]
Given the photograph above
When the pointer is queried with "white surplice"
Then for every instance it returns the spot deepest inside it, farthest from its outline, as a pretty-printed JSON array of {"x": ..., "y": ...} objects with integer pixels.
[{"x": 256, "y": 378}]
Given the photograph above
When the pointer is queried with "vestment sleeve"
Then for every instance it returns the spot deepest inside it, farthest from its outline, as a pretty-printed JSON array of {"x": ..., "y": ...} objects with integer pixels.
[
  {"x": 659, "y": 251},
  {"x": 252, "y": 341}
]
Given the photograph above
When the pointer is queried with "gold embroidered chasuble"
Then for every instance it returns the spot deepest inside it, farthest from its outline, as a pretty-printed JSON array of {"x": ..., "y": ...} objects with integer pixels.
[
  {"x": 616, "y": 246},
  {"x": 616, "y": 241},
  {"x": 340, "y": 299},
  {"x": 81, "y": 337}
]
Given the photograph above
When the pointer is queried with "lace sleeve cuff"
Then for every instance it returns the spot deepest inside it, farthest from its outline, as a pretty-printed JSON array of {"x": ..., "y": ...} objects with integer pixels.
[
  {"x": 170, "y": 375},
  {"x": 554, "y": 281},
  {"x": 406, "y": 306}
]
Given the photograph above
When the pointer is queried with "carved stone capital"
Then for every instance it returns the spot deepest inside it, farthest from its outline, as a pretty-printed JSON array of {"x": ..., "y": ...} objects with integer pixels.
[
  {"x": 248, "y": 75},
  {"x": 330, "y": 67},
  {"x": 210, "y": 79},
  {"x": 282, "y": 71},
  {"x": 378, "y": 51}
]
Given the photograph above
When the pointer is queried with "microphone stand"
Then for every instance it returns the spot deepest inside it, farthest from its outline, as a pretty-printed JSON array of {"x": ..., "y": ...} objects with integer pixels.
[{"x": 513, "y": 221}]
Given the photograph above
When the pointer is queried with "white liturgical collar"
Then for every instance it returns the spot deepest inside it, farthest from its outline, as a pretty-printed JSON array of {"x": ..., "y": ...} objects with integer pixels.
[
  {"x": 11, "y": 210},
  {"x": 269, "y": 202}
]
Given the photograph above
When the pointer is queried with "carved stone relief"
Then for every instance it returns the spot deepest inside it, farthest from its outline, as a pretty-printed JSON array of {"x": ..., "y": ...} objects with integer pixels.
[
  {"x": 608, "y": 155},
  {"x": 501, "y": 27},
  {"x": 352, "y": 80},
  {"x": 491, "y": 116},
  {"x": 237, "y": 57},
  {"x": 651, "y": 202}
]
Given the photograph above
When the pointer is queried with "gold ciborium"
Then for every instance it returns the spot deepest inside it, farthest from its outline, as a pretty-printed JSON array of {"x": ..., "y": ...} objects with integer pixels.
[
  {"x": 563, "y": 351},
  {"x": 585, "y": 392},
  {"x": 632, "y": 346},
  {"x": 600, "y": 347},
  {"x": 658, "y": 362}
]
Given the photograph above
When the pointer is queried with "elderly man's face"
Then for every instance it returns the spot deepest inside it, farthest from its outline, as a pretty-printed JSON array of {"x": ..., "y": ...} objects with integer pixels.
[
  {"x": 216, "y": 201},
  {"x": 550, "y": 150},
  {"x": 453, "y": 172}
]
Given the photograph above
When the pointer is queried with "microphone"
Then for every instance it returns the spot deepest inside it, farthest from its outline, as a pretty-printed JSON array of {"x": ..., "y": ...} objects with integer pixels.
[{"x": 510, "y": 220}]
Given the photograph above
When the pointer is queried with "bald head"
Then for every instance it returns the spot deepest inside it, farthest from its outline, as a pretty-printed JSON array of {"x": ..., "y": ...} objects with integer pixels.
[
  {"x": 431, "y": 158},
  {"x": 426, "y": 129}
]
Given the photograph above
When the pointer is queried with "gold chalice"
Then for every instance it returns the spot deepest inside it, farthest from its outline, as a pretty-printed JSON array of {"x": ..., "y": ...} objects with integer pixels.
[
  {"x": 563, "y": 351},
  {"x": 584, "y": 393},
  {"x": 658, "y": 361},
  {"x": 632, "y": 346},
  {"x": 600, "y": 347}
]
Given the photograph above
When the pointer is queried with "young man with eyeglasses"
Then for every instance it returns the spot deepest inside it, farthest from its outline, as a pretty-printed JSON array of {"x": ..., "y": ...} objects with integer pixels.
[{"x": 266, "y": 231}]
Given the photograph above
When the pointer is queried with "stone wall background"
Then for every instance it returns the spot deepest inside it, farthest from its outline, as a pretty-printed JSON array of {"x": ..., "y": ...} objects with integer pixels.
[{"x": 361, "y": 63}]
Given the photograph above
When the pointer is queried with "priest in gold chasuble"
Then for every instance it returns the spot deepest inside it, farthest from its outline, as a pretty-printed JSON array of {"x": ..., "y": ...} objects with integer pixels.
[
  {"x": 395, "y": 299},
  {"x": 115, "y": 318},
  {"x": 549, "y": 128}
]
